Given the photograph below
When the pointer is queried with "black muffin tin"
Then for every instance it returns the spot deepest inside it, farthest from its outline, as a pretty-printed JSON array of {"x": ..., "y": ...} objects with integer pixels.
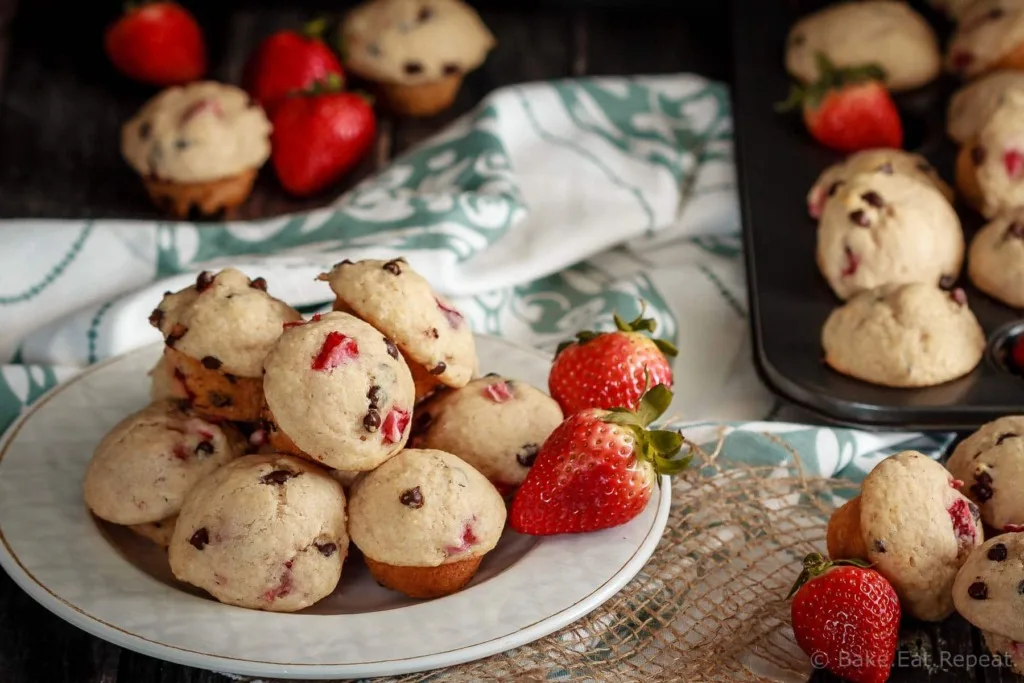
[{"x": 789, "y": 300}]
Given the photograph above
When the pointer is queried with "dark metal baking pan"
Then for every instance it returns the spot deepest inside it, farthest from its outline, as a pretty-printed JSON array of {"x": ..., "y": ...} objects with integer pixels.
[{"x": 788, "y": 298}]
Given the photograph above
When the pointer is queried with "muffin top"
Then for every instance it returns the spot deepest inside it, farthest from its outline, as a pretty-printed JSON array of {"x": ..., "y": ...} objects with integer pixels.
[
  {"x": 196, "y": 133},
  {"x": 414, "y": 41},
  {"x": 988, "y": 30}
]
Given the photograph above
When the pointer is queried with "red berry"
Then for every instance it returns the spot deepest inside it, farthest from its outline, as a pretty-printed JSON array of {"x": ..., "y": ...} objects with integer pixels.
[
  {"x": 1017, "y": 353},
  {"x": 394, "y": 425},
  {"x": 158, "y": 43},
  {"x": 498, "y": 392},
  {"x": 1013, "y": 160},
  {"x": 337, "y": 350}
]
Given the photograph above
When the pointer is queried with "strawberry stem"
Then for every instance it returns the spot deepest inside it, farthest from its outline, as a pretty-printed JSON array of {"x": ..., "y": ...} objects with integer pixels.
[
  {"x": 830, "y": 77},
  {"x": 314, "y": 30},
  {"x": 660, "y": 447},
  {"x": 815, "y": 564},
  {"x": 638, "y": 324}
]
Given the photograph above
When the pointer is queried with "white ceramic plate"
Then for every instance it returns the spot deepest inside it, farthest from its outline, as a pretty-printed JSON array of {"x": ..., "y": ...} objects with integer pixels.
[{"x": 118, "y": 587}]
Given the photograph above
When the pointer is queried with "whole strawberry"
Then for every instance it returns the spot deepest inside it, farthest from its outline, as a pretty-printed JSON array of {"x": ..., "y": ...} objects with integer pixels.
[
  {"x": 319, "y": 136},
  {"x": 287, "y": 62},
  {"x": 610, "y": 369},
  {"x": 846, "y": 617},
  {"x": 157, "y": 43},
  {"x": 597, "y": 469}
]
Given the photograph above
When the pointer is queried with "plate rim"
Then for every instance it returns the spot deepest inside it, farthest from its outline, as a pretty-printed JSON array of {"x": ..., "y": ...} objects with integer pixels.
[{"x": 99, "y": 628}]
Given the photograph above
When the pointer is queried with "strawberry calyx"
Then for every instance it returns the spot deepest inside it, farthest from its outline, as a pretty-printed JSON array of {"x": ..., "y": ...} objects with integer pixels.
[
  {"x": 660, "y": 447},
  {"x": 315, "y": 29},
  {"x": 638, "y": 324},
  {"x": 329, "y": 84},
  {"x": 830, "y": 78},
  {"x": 815, "y": 564}
]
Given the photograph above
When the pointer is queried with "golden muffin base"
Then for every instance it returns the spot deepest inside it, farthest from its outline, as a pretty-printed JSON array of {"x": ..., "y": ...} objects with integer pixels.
[
  {"x": 212, "y": 393},
  {"x": 844, "y": 539},
  {"x": 424, "y": 99},
  {"x": 425, "y": 582},
  {"x": 967, "y": 178},
  {"x": 209, "y": 197}
]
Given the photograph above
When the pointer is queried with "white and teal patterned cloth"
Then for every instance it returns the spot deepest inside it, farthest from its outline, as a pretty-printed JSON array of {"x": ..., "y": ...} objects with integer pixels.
[{"x": 541, "y": 212}]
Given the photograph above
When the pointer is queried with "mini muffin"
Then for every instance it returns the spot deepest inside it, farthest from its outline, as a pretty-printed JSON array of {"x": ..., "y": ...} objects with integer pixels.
[
  {"x": 430, "y": 332},
  {"x": 424, "y": 521},
  {"x": 990, "y": 462},
  {"x": 989, "y": 36},
  {"x": 497, "y": 425},
  {"x": 879, "y": 229},
  {"x": 915, "y": 528},
  {"x": 338, "y": 392},
  {"x": 888, "y": 34},
  {"x": 972, "y": 105},
  {"x": 990, "y": 168},
  {"x": 198, "y": 145},
  {"x": 903, "y": 336},
  {"x": 988, "y": 593},
  {"x": 217, "y": 333},
  {"x": 159, "y": 532},
  {"x": 265, "y": 532},
  {"x": 415, "y": 52},
  {"x": 143, "y": 468},
  {"x": 880, "y": 160},
  {"x": 996, "y": 259}
]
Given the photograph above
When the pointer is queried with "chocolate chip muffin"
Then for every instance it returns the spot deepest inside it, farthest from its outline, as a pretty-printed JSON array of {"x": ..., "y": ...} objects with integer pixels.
[
  {"x": 990, "y": 462},
  {"x": 973, "y": 104},
  {"x": 989, "y": 36},
  {"x": 990, "y": 167},
  {"x": 995, "y": 261}
]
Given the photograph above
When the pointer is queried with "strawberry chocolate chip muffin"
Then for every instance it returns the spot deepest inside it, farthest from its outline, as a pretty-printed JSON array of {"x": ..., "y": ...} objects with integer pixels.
[
  {"x": 424, "y": 521},
  {"x": 975, "y": 102},
  {"x": 915, "y": 527},
  {"x": 990, "y": 167},
  {"x": 198, "y": 145},
  {"x": 429, "y": 331},
  {"x": 989, "y": 35},
  {"x": 217, "y": 333},
  {"x": 990, "y": 462},
  {"x": 265, "y": 532},
  {"x": 142, "y": 470},
  {"x": 338, "y": 392},
  {"x": 495, "y": 424},
  {"x": 995, "y": 261}
]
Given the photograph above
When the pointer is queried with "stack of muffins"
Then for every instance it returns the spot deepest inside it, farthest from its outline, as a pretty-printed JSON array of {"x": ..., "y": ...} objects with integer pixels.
[{"x": 272, "y": 441}]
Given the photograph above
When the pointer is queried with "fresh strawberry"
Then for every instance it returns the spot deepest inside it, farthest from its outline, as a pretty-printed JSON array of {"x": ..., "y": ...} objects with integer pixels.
[
  {"x": 846, "y": 617},
  {"x": 848, "y": 109},
  {"x": 319, "y": 136},
  {"x": 597, "y": 469},
  {"x": 287, "y": 62},
  {"x": 610, "y": 369},
  {"x": 157, "y": 43}
]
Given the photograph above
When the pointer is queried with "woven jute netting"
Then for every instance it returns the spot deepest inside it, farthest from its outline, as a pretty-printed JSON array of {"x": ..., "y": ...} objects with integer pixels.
[{"x": 710, "y": 604}]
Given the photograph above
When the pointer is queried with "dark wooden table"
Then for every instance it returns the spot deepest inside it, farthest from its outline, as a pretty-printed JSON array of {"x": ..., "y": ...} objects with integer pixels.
[{"x": 61, "y": 107}]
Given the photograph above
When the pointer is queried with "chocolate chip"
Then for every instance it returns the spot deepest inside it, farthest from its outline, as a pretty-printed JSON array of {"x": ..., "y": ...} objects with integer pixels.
[
  {"x": 204, "y": 447},
  {"x": 259, "y": 283},
  {"x": 412, "y": 498},
  {"x": 156, "y": 317},
  {"x": 278, "y": 477},
  {"x": 372, "y": 49},
  {"x": 978, "y": 155},
  {"x": 997, "y": 553},
  {"x": 879, "y": 546},
  {"x": 234, "y": 378},
  {"x": 393, "y": 267},
  {"x": 392, "y": 349},
  {"x": 203, "y": 281},
  {"x": 1004, "y": 437},
  {"x": 181, "y": 144},
  {"x": 978, "y": 590},
  {"x": 326, "y": 549},
  {"x": 983, "y": 477},
  {"x": 200, "y": 538},
  {"x": 946, "y": 281},
  {"x": 527, "y": 455},
  {"x": 1020, "y": 588},
  {"x": 210, "y": 362},
  {"x": 959, "y": 296},
  {"x": 996, "y": 13},
  {"x": 1015, "y": 229},
  {"x": 145, "y": 128},
  {"x": 376, "y": 395},
  {"x": 413, "y": 68},
  {"x": 982, "y": 488},
  {"x": 860, "y": 218},
  {"x": 873, "y": 199},
  {"x": 177, "y": 332},
  {"x": 451, "y": 68},
  {"x": 371, "y": 421},
  {"x": 218, "y": 400},
  {"x": 834, "y": 187},
  {"x": 438, "y": 369},
  {"x": 433, "y": 333},
  {"x": 886, "y": 168},
  {"x": 798, "y": 39},
  {"x": 425, "y": 13}
]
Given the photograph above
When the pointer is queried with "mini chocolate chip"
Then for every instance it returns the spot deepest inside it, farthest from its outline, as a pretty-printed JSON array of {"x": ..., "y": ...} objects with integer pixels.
[
  {"x": 413, "y": 68},
  {"x": 834, "y": 187},
  {"x": 1020, "y": 588},
  {"x": 177, "y": 332},
  {"x": 181, "y": 143},
  {"x": 204, "y": 447},
  {"x": 527, "y": 454},
  {"x": 1015, "y": 229},
  {"x": 946, "y": 281},
  {"x": 373, "y": 49},
  {"x": 393, "y": 267},
  {"x": 371, "y": 420},
  {"x": 959, "y": 296},
  {"x": 438, "y": 369},
  {"x": 203, "y": 281},
  {"x": 156, "y": 317},
  {"x": 219, "y": 400},
  {"x": 376, "y": 395},
  {"x": 797, "y": 40},
  {"x": 412, "y": 497},
  {"x": 425, "y": 13},
  {"x": 451, "y": 68},
  {"x": 981, "y": 491},
  {"x": 879, "y": 546},
  {"x": 978, "y": 155},
  {"x": 210, "y": 363},
  {"x": 886, "y": 168},
  {"x": 392, "y": 349},
  {"x": 996, "y": 13},
  {"x": 268, "y": 426},
  {"x": 978, "y": 590},
  {"x": 278, "y": 477},
  {"x": 983, "y": 477},
  {"x": 233, "y": 378},
  {"x": 1004, "y": 437},
  {"x": 145, "y": 128},
  {"x": 259, "y": 283},
  {"x": 326, "y": 549},
  {"x": 873, "y": 199},
  {"x": 997, "y": 553},
  {"x": 433, "y": 333},
  {"x": 860, "y": 218},
  {"x": 200, "y": 538}
]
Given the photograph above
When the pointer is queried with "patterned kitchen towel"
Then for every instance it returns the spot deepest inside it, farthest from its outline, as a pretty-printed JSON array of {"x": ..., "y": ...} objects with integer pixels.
[{"x": 541, "y": 212}]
